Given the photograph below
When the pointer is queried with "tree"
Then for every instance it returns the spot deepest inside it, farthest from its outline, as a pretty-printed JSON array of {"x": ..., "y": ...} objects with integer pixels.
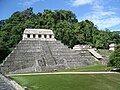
[
  {"x": 114, "y": 59},
  {"x": 4, "y": 51},
  {"x": 116, "y": 37}
]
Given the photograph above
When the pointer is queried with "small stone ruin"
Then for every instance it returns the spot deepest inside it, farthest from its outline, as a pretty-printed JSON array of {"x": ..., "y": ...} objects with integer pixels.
[
  {"x": 112, "y": 47},
  {"x": 88, "y": 49}
]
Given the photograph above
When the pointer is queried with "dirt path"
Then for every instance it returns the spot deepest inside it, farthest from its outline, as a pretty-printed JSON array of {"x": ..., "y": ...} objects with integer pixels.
[{"x": 51, "y": 73}]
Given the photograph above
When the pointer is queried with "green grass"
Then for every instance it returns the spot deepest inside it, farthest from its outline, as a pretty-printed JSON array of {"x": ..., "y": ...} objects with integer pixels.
[
  {"x": 92, "y": 68},
  {"x": 70, "y": 82}
]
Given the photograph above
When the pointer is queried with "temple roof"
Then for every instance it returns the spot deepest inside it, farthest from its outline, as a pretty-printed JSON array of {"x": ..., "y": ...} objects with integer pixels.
[{"x": 38, "y": 31}]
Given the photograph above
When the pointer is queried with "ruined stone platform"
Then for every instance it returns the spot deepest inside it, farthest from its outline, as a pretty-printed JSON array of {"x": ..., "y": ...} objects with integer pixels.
[{"x": 5, "y": 84}]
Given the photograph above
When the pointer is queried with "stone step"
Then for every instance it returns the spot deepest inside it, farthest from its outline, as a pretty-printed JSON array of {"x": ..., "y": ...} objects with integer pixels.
[{"x": 4, "y": 84}]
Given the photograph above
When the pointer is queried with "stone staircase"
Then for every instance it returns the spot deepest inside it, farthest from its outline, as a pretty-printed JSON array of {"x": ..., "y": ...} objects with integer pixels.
[{"x": 38, "y": 56}]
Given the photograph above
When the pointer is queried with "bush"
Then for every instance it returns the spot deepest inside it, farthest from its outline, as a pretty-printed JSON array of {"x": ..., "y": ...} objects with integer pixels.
[{"x": 114, "y": 59}]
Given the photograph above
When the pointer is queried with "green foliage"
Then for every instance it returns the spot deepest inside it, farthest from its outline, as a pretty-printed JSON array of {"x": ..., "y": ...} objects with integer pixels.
[
  {"x": 63, "y": 23},
  {"x": 116, "y": 37},
  {"x": 3, "y": 51},
  {"x": 114, "y": 59}
]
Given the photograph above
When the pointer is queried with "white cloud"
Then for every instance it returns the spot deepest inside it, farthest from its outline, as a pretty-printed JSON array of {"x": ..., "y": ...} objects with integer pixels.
[
  {"x": 81, "y": 2},
  {"x": 28, "y": 3},
  {"x": 116, "y": 30},
  {"x": 101, "y": 16},
  {"x": 107, "y": 22}
]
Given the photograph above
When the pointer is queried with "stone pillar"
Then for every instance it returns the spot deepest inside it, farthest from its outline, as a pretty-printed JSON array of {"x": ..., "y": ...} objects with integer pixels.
[
  {"x": 24, "y": 36},
  {"x": 48, "y": 36},
  {"x": 36, "y": 36},
  {"x": 42, "y": 36},
  {"x": 52, "y": 36},
  {"x": 0, "y": 70},
  {"x": 31, "y": 35}
]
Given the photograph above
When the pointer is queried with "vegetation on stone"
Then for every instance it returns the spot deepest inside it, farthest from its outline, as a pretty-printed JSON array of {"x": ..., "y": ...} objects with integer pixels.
[
  {"x": 63, "y": 23},
  {"x": 91, "y": 68}
]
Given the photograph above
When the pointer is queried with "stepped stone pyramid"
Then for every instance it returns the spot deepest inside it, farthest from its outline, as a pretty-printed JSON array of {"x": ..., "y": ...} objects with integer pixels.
[{"x": 39, "y": 51}]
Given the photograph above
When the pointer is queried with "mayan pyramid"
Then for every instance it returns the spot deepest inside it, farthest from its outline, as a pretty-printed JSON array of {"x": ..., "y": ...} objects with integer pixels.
[{"x": 39, "y": 51}]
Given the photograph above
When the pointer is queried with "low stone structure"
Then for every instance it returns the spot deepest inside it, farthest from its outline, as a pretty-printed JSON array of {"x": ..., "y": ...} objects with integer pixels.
[
  {"x": 82, "y": 47},
  {"x": 88, "y": 49},
  {"x": 39, "y": 51},
  {"x": 112, "y": 47}
]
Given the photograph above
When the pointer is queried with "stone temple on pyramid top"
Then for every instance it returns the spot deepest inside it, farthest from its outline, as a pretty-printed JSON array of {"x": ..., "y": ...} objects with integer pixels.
[
  {"x": 39, "y": 51},
  {"x": 38, "y": 34}
]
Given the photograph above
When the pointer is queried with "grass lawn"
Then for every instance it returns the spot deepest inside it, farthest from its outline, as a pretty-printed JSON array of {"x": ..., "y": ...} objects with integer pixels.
[{"x": 70, "y": 82}]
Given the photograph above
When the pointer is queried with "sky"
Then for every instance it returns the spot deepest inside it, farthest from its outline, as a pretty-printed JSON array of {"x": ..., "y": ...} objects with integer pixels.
[{"x": 103, "y": 13}]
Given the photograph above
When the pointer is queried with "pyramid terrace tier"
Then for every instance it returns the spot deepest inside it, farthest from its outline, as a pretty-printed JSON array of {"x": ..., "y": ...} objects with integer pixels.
[{"x": 39, "y": 55}]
